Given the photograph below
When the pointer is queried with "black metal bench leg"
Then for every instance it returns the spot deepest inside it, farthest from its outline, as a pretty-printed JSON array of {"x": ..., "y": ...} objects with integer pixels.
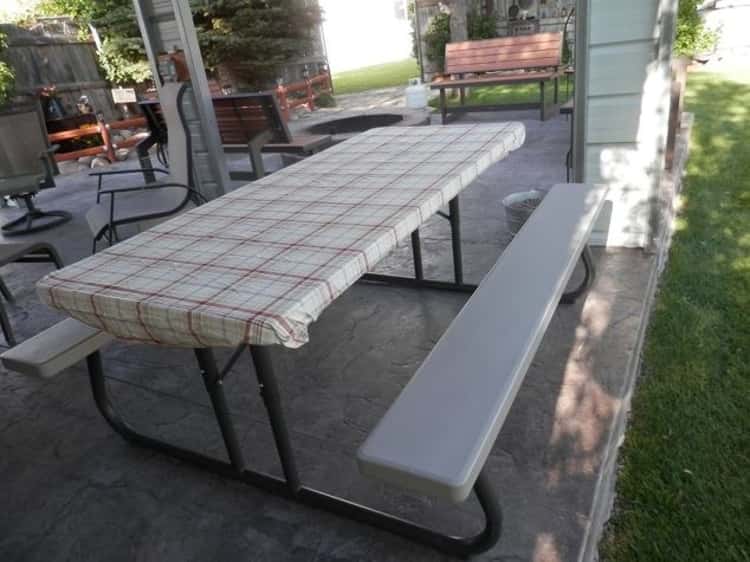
[
  {"x": 443, "y": 107},
  {"x": 541, "y": 100},
  {"x": 455, "y": 220},
  {"x": 416, "y": 250},
  {"x": 5, "y": 324},
  {"x": 589, "y": 276},
  {"x": 291, "y": 487},
  {"x": 5, "y": 291}
]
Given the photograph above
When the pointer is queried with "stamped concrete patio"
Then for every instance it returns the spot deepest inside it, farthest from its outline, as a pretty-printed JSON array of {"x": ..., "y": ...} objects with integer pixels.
[{"x": 73, "y": 490}]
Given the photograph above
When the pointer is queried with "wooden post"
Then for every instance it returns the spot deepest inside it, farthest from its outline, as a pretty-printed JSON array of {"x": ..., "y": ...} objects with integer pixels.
[
  {"x": 106, "y": 138},
  {"x": 310, "y": 94},
  {"x": 283, "y": 102}
]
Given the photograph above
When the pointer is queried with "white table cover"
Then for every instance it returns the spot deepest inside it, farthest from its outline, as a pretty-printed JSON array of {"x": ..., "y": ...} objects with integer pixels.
[{"x": 261, "y": 263}]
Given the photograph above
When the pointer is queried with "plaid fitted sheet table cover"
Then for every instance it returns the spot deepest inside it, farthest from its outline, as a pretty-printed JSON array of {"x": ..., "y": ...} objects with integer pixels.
[{"x": 261, "y": 263}]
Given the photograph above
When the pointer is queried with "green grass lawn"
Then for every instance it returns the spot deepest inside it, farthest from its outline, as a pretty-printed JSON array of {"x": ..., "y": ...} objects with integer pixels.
[
  {"x": 684, "y": 485},
  {"x": 495, "y": 95},
  {"x": 374, "y": 77}
]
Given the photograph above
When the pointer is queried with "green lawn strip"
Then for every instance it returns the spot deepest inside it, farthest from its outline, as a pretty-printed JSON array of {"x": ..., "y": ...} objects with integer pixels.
[
  {"x": 495, "y": 95},
  {"x": 683, "y": 491},
  {"x": 375, "y": 77}
]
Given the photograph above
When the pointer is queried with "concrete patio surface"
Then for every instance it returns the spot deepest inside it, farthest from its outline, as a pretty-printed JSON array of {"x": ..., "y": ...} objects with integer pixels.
[{"x": 72, "y": 490}]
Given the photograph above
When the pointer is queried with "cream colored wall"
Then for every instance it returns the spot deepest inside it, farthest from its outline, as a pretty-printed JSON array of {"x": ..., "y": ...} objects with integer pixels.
[{"x": 627, "y": 109}]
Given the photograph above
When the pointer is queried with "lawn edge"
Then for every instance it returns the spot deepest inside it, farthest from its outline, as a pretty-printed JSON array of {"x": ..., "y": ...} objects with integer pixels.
[{"x": 603, "y": 502}]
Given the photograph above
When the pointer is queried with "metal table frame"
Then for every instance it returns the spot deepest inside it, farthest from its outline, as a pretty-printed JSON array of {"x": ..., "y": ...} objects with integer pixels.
[{"x": 291, "y": 486}]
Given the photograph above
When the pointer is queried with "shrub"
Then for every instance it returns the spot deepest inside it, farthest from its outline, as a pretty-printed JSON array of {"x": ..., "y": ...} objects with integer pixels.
[
  {"x": 438, "y": 34},
  {"x": 692, "y": 36},
  {"x": 7, "y": 78},
  {"x": 481, "y": 26}
]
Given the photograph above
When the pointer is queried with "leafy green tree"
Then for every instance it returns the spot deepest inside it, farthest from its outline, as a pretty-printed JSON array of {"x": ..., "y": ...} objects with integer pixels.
[
  {"x": 253, "y": 36},
  {"x": 692, "y": 36},
  {"x": 7, "y": 78}
]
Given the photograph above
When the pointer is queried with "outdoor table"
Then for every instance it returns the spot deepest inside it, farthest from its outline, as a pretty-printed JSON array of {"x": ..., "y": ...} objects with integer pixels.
[{"x": 256, "y": 266}]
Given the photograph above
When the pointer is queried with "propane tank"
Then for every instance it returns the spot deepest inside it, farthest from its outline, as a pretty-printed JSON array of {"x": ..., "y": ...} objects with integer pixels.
[{"x": 416, "y": 94}]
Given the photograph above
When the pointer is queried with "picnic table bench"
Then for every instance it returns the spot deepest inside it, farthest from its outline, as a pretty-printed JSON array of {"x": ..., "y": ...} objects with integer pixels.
[
  {"x": 437, "y": 435},
  {"x": 520, "y": 59}
]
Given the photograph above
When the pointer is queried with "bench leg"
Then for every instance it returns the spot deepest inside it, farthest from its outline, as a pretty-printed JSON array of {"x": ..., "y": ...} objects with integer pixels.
[
  {"x": 588, "y": 280},
  {"x": 5, "y": 291},
  {"x": 455, "y": 219},
  {"x": 290, "y": 487},
  {"x": 541, "y": 101},
  {"x": 416, "y": 250},
  {"x": 556, "y": 92},
  {"x": 6, "y": 327},
  {"x": 443, "y": 107}
]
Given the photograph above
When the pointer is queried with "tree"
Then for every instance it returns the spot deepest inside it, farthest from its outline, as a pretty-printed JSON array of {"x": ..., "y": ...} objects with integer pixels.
[
  {"x": 692, "y": 36},
  {"x": 7, "y": 78},
  {"x": 253, "y": 37}
]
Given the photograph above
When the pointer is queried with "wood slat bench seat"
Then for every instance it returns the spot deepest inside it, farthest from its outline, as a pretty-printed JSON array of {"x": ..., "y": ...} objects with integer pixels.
[
  {"x": 55, "y": 349},
  {"x": 436, "y": 436},
  {"x": 503, "y": 60}
]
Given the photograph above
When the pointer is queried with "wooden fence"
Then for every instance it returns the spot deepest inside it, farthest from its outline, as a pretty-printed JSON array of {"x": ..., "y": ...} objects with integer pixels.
[
  {"x": 103, "y": 130},
  {"x": 304, "y": 92},
  {"x": 40, "y": 60}
]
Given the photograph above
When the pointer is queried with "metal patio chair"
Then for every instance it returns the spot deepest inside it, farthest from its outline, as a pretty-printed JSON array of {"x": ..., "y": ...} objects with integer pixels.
[
  {"x": 32, "y": 252},
  {"x": 26, "y": 166},
  {"x": 146, "y": 205}
]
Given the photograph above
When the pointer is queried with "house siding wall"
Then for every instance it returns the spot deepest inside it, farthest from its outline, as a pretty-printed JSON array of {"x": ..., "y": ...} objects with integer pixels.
[{"x": 626, "y": 100}]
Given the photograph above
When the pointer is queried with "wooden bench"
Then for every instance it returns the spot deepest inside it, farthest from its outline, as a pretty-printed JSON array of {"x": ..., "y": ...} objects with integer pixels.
[
  {"x": 55, "y": 349},
  {"x": 504, "y": 60},
  {"x": 436, "y": 436},
  {"x": 253, "y": 123},
  {"x": 249, "y": 123}
]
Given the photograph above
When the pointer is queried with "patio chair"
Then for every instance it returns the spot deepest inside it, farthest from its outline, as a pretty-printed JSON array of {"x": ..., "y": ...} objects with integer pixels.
[
  {"x": 25, "y": 168},
  {"x": 33, "y": 252},
  {"x": 146, "y": 205}
]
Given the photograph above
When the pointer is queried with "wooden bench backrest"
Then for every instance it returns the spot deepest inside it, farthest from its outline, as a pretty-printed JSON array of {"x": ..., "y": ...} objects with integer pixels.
[
  {"x": 540, "y": 50},
  {"x": 241, "y": 117}
]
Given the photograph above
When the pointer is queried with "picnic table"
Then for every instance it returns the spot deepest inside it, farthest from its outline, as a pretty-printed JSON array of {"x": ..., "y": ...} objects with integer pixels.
[{"x": 257, "y": 266}]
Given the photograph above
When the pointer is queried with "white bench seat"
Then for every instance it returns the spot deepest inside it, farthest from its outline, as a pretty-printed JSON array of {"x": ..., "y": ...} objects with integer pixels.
[
  {"x": 55, "y": 349},
  {"x": 436, "y": 436}
]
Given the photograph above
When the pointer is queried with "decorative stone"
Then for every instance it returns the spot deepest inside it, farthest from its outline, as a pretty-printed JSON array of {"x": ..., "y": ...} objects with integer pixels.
[
  {"x": 99, "y": 162},
  {"x": 69, "y": 167},
  {"x": 117, "y": 139},
  {"x": 121, "y": 154},
  {"x": 126, "y": 133}
]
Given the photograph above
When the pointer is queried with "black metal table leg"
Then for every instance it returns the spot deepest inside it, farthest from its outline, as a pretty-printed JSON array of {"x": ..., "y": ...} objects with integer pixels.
[
  {"x": 291, "y": 487},
  {"x": 214, "y": 387}
]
